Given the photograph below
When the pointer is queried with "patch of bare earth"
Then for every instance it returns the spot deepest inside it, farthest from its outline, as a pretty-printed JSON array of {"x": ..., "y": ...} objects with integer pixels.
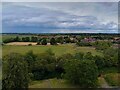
[
  {"x": 21, "y": 43},
  {"x": 25, "y": 43}
]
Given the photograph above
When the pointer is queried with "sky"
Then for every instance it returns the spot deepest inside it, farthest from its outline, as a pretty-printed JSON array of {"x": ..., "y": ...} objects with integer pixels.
[
  {"x": 60, "y": 0},
  {"x": 59, "y": 17}
]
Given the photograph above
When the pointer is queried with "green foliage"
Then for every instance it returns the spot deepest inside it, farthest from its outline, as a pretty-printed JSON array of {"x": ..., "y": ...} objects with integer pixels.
[
  {"x": 111, "y": 57},
  {"x": 79, "y": 55},
  {"x": 49, "y": 52},
  {"x": 82, "y": 43},
  {"x": 88, "y": 56},
  {"x": 17, "y": 39},
  {"x": 60, "y": 40},
  {"x": 15, "y": 72},
  {"x": 99, "y": 61},
  {"x": 81, "y": 72},
  {"x": 53, "y": 41},
  {"x": 66, "y": 56},
  {"x": 106, "y": 70},
  {"x": 25, "y": 39},
  {"x": 34, "y": 39},
  {"x": 102, "y": 45},
  {"x": 67, "y": 40},
  {"x": 29, "y": 57},
  {"x": 8, "y": 40},
  {"x": 112, "y": 79},
  {"x": 110, "y": 52},
  {"x": 44, "y": 65},
  {"x": 44, "y": 41},
  {"x": 75, "y": 67}
]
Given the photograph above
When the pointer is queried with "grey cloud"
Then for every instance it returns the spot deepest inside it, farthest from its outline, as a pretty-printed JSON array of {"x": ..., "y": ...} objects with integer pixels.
[{"x": 68, "y": 16}]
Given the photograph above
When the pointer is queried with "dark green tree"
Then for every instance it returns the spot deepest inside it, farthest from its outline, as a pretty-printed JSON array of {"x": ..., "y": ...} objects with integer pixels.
[
  {"x": 67, "y": 40},
  {"x": 79, "y": 55},
  {"x": 44, "y": 66},
  {"x": 60, "y": 40},
  {"x": 53, "y": 41},
  {"x": 15, "y": 72},
  {"x": 30, "y": 57},
  {"x": 111, "y": 57},
  {"x": 34, "y": 39},
  {"x": 25, "y": 39},
  {"x": 99, "y": 61},
  {"x": 88, "y": 56},
  {"x": 44, "y": 41},
  {"x": 102, "y": 45},
  {"x": 81, "y": 72},
  {"x": 17, "y": 39}
]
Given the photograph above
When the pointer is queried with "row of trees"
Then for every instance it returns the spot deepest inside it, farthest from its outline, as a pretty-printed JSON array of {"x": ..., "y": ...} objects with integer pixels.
[
  {"x": 42, "y": 41},
  {"x": 81, "y": 68},
  {"x": 99, "y": 45},
  {"x": 79, "y": 40}
]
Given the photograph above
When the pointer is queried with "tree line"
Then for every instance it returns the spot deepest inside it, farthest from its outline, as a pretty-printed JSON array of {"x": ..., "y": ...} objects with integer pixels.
[
  {"x": 42, "y": 41},
  {"x": 79, "y": 40}
]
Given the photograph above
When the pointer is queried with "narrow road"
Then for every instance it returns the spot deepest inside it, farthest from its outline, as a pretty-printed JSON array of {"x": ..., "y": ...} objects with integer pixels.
[{"x": 48, "y": 83}]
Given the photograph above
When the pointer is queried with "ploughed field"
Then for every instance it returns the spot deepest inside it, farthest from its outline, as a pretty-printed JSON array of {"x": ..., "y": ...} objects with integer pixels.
[{"x": 37, "y": 49}]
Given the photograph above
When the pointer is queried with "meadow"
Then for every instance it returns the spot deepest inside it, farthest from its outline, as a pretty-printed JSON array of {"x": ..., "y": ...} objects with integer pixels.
[
  {"x": 113, "y": 79},
  {"x": 57, "y": 49},
  {"x": 52, "y": 83}
]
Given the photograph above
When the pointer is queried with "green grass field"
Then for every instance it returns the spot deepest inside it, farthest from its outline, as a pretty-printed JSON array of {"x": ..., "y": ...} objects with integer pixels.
[
  {"x": 52, "y": 83},
  {"x": 13, "y": 36},
  {"x": 113, "y": 79},
  {"x": 58, "y": 49},
  {"x": 0, "y": 38}
]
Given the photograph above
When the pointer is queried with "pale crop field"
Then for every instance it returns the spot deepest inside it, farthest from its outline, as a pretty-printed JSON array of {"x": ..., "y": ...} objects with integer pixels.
[{"x": 21, "y": 43}]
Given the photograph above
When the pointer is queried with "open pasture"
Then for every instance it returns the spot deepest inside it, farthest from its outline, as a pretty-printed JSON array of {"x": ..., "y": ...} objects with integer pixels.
[{"x": 57, "y": 49}]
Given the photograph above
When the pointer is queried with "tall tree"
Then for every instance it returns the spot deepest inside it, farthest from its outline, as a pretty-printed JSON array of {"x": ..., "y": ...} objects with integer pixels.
[
  {"x": 17, "y": 39},
  {"x": 53, "y": 41},
  {"x": 44, "y": 41},
  {"x": 81, "y": 72},
  {"x": 15, "y": 72},
  {"x": 34, "y": 39}
]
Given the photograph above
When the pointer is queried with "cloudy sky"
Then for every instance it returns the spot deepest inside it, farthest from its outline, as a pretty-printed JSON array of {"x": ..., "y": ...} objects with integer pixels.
[{"x": 60, "y": 17}]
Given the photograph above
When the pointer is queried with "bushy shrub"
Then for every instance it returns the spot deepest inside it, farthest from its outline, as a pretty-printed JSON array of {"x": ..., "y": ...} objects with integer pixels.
[
  {"x": 15, "y": 72},
  {"x": 53, "y": 41},
  {"x": 44, "y": 41},
  {"x": 81, "y": 72}
]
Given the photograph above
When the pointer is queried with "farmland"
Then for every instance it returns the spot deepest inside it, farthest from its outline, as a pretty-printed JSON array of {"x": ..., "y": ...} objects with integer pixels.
[{"x": 41, "y": 58}]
